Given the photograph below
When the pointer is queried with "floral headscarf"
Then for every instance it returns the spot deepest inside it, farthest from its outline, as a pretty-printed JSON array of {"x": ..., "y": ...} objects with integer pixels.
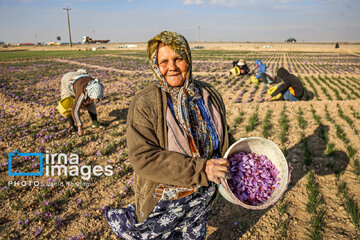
[{"x": 184, "y": 98}]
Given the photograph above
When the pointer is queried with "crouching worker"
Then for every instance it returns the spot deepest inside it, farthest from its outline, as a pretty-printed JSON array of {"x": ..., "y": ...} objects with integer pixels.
[
  {"x": 264, "y": 73},
  {"x": 80, "y": 91},
  {"x": 240, "y": 68},
  {"x": 291, "y": 89}
]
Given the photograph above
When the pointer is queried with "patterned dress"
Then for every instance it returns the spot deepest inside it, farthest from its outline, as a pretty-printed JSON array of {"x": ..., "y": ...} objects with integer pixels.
[{"x": 183, "y": 218}]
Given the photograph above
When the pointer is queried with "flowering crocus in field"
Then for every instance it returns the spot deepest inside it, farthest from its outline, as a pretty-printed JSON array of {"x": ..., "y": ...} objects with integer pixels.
[
  {"x": 58, "y": 220},
  {"x": 48, "y": 215},
  {"x": 121, "y": 152},
  {"x": 254, "y": 178},
  {"x": 38, "y": 231},
  {"x": 79, "y": 201},
  {"x": 36, "y": 213},
  {"x": 78, "y": 237}
]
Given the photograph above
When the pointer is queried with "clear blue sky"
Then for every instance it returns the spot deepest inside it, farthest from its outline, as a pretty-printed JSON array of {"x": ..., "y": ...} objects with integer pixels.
[{"x": 219, "y": 20}]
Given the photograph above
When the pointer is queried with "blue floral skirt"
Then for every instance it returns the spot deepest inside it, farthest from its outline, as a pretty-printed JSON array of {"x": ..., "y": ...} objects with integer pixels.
[{"x": 184, "y": 218}]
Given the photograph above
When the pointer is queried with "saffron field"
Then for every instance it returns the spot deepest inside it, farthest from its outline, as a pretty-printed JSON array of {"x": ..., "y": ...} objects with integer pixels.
[{"x": 319, "y": 137}]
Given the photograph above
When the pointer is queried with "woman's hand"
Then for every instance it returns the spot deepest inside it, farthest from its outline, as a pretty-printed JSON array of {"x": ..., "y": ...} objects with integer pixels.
[
  {"x": 80, "y": 131},
  {"x": 216, "y": 169}
]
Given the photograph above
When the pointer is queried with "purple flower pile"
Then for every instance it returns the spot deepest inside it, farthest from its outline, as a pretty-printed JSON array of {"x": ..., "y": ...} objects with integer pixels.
[{"x": 254, "y": 177}]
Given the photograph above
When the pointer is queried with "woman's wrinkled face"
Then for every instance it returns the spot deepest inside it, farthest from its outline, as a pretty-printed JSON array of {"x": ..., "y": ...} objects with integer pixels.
[{"x": 171, "y": 66}]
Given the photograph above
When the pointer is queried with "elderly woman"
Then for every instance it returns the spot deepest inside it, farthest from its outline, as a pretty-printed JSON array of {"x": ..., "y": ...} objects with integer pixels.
[
  {"x": 176, "y": 134},
  {"x": 85, "y": 90}
]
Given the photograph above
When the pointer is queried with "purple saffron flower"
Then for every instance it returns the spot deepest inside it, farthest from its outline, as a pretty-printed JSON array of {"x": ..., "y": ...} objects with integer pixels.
[
  {"x": 254, "y": 178},
  {"x": 58, "y": 221},
  {"x": 48, "y": 215},
  {"x": 38, "y": 231}
]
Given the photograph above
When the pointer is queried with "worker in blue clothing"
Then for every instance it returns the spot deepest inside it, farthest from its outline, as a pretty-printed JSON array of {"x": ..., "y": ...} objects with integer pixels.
[{"x": 264, "y": 74}]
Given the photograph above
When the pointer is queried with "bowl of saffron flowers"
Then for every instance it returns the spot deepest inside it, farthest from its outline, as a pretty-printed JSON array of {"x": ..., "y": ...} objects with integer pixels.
[{"x": 259, "y": 173}]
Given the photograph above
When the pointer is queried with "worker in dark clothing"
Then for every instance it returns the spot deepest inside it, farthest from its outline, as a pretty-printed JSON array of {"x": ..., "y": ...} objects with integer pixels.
[
  {"x": 243, "y": 67},
  {"x": 291, "y": 88}
]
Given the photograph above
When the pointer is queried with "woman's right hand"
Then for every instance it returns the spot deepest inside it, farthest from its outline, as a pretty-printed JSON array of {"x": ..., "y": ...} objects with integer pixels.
[{"x": 217, "y": 168}]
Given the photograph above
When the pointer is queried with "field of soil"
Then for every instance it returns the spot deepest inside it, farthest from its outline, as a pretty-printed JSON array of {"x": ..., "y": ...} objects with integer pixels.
[
  {"x": 318, "y": 135},
  {"x": 228, "y": 46}
]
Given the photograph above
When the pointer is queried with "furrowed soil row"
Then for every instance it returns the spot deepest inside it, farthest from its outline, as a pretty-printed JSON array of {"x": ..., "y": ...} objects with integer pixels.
[{"x": 317, "y": 135}]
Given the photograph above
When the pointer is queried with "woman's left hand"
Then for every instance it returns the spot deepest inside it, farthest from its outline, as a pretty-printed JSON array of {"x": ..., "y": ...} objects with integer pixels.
[{"x": 216, "y": 169}]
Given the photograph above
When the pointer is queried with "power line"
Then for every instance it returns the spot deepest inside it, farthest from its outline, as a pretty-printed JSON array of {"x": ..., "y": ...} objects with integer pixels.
[
  {"x": 199, "y": 33},
  {"x": 68, "y": 20}
]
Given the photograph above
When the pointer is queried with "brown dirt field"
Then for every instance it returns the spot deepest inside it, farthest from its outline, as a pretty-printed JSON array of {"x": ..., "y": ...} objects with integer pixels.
[
  {"x": 287, "y": 219},
  {"x": 229, "y": 46}
]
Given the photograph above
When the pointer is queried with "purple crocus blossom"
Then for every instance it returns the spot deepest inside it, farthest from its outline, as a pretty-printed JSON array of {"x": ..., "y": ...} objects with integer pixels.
[
  {"x": 58, "y": 220},
  {"x": 254, "y": 178},
  {"x": 38, "y": 231},
  {"x": 48, "y": 215}
]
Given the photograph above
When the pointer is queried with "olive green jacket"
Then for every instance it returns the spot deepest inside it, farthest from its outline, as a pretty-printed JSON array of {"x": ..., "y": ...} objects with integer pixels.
[{"x": 147, "y": 141}]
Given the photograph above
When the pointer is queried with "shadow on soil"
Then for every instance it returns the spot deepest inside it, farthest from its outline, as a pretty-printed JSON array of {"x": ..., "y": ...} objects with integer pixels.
[
  {"x": 119, "y": 114},
  {"x": 233, "y": 221},
  {"x": 308, "y": 95}
]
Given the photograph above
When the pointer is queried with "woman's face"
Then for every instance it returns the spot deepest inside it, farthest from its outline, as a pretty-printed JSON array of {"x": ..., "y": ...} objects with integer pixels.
[{"x": 171, "y": 66}]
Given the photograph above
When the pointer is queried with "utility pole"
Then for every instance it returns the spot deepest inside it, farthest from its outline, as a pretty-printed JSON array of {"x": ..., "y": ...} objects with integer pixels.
[
  {"x": 199, "y": 33},
  {"x": 68, "y": 20}
]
